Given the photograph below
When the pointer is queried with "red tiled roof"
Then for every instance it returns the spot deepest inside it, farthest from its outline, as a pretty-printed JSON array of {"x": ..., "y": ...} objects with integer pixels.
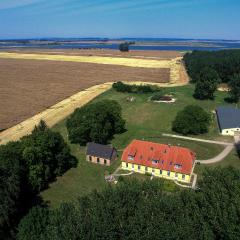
[{"x": 168, "y": 157}]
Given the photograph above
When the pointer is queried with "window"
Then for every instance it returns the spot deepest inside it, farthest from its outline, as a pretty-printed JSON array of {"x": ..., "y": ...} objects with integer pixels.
[
  {"x": 139, "y": 167},
  {"x": 98, "y": 160},
  {"x": 160, "y": 171},
  {"x": 130, "y": 157},
  {"x": 155, "y": 161},
  {"x": 177, "y": 166},
  {"x": 132, "y": 166},
  {"x": 176, "y": 175},
  {"x": 146, "y": 169},
  {"x": 90, "y": 158},
  {"x": 183, "y": 176},
  {"x": 153, "y": 170},
  {"x": 168, "y": 173},
  {"x": 127, "y": 165},
  {"x": 105, "y": 161}
]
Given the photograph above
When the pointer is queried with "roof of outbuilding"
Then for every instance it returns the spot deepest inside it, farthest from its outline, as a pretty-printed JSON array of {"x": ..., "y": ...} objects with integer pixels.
[
  {"x": 228, "y": 117},
  {"x": 169, "y": 158},
  {"x": 99, "y": 150}
]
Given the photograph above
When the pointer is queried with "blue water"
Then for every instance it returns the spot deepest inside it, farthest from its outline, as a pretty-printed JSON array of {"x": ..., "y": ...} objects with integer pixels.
[{"x": 213, "y": 45}]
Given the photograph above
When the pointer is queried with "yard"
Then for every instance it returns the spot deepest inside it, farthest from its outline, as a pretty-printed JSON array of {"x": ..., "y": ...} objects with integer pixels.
[{"x": 145, "y": 120}]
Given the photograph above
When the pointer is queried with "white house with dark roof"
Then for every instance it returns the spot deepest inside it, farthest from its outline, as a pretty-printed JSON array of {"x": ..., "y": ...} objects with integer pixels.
[
  {"x": 228, "y": 120},
  {"x": 101, "y": 154}
]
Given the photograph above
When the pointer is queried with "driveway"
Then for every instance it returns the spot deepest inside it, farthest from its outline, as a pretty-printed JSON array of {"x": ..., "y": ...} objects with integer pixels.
[{"x": 219, "y": 157}]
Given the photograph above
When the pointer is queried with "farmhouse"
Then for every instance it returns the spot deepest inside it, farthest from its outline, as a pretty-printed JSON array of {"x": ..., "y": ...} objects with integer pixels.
[
  {"x": 228, "y": 120},
  {"x": 170, "y": 162},
  {"x": 101, "y": 154}
]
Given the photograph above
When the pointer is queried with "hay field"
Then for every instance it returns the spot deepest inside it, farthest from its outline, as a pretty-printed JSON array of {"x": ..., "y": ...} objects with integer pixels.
[{"x": 128, "y": 62}]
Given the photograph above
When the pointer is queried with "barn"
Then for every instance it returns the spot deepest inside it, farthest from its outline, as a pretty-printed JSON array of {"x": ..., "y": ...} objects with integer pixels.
[
  {"x": 228, "y": 120},
  {"x": 101, "y": 154}
]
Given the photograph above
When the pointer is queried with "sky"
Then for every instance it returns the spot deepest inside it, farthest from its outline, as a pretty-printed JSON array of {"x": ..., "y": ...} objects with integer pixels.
[{"x": 200, "y": 19}]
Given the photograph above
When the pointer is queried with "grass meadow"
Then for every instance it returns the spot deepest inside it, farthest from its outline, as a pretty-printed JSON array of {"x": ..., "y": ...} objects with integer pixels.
[{"x": 145, "y": 120}]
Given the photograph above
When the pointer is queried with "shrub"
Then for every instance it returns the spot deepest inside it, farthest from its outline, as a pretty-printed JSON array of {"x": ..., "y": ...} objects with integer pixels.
[
  {"x": 157, "y": 96},
  {"x": 191, "y": 120},
  {"x": 96, "y": 122},
  {"x": 122, "y": 87}
]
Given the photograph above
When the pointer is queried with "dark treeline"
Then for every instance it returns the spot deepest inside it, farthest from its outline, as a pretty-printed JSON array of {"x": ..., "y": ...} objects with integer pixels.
[
  {"x": 132, "y": 88},
  {"x": 26, "y": 168},
  {"x": 142, "y": 210},
  {"x": 226, "y": 63}
]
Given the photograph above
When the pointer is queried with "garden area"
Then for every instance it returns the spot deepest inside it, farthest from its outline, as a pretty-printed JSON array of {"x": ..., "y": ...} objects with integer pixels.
[{"x": 145, "y": 120}]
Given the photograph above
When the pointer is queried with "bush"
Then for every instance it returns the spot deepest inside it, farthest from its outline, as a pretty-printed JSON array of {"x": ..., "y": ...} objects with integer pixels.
[
  {"x": 96, "y": 122},
  {"x": 122, "y": 87},
  {"x": 191, "y": 120}
]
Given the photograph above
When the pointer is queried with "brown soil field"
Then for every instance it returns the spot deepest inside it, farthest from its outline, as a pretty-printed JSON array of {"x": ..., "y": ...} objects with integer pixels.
[
  {"x": 28, "y": 87},
  {"x": 104, "y": 52}
]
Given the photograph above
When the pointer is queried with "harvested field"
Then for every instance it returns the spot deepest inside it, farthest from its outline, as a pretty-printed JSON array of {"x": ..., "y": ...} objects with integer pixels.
[
  {"x": 108, "y": 60},
  {"x": 105, "y": 52},
  {"x": 28, "y": 87}
]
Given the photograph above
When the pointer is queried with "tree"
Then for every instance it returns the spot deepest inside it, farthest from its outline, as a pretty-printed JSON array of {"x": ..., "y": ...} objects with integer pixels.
[
  {"x": 124, "y": 47},
  {"x": 46, "y": 155},
  {"x": 235, "y": 88},
  {"x": 97, "y": 122},
  {"x": 26, "y": 167},
  {"x": 206, "y": 84},
  {"x": 33, "y": 225},
  {"x": 143, "y": 210},
  {"x": 10, "y": 186},
  {"x": 191, "y": 120}
]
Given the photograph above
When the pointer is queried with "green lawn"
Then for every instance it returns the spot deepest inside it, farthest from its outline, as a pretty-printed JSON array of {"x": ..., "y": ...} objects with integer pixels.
[{"x": 144, "y": 120}]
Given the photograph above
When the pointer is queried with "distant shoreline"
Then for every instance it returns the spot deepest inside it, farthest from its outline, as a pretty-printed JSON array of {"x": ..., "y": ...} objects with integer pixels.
[{"x": 139, "y": 44}]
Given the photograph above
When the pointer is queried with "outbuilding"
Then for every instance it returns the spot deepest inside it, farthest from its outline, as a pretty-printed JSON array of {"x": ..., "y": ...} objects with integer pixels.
[
  {"x": 228, "y": 120},
  {"x": 101, "y": 154}
]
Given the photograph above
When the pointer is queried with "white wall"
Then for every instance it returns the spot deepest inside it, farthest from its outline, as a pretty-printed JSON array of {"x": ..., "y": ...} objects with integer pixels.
[{"x": 230, "y": 131}]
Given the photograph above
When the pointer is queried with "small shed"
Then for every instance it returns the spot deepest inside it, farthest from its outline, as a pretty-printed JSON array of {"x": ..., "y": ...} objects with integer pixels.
[
  {"x": 101, "y": 154},
  {"x": 228, "y": 120}
]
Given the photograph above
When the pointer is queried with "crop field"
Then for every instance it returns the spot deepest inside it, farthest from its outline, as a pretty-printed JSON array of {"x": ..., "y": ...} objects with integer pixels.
[{"x": 29, "y": 85}]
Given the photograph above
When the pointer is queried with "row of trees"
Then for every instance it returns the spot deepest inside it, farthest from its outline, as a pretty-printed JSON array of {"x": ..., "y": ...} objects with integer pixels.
[
  {"x": 96, "y": 122},
  {"x": 26, "y": 168},
  {"x": 143, "y": 210},
  {"x": 208, "y": 69},
  {"x": 132, "y": 88}
]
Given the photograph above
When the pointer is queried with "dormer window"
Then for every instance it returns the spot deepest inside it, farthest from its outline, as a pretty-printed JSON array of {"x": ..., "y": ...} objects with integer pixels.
[
  {"x": 177, "y": 166},
  {"x": 155, "y": 161},
  {"x": 130, "y": 157}
]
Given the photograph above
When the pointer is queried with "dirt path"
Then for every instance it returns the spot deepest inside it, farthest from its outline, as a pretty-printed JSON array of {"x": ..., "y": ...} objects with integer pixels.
[
  {"x": 219, "y": 157},
  {"x": 198, "y": 139}
]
